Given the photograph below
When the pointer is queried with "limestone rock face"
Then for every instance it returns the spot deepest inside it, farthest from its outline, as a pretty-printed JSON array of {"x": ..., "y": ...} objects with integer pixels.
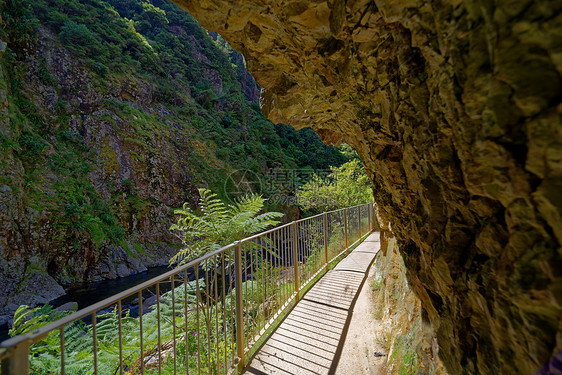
[{"x": 454, "y": 108}]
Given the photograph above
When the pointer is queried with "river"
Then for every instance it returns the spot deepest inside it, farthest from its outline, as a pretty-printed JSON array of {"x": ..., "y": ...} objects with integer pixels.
[{"x": 87, "y": 294}]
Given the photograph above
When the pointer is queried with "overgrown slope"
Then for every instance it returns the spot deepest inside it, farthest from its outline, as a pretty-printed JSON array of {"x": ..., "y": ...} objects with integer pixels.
[{"x": 112, "y": 113}]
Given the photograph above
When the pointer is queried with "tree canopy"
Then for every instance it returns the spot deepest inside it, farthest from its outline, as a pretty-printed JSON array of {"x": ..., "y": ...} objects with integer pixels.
[{"x": 344, "y": 186}]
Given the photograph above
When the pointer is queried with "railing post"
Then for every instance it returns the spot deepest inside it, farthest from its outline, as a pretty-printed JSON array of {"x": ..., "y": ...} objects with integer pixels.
[
  {"x": 326, "y": 238},
  {"x": 359, "y": 216},
  {"x": 18, "y": 362},
  {"x": 369, "y": 213},
  {"x": 345, "y": 229},
  {"x": 239, "y": 307},
  {"x": 296, "y": 261}
]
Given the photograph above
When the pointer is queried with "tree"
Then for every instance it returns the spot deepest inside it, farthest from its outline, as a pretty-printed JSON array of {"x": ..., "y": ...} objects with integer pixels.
[
  {"x": 345, "y": 186},
  {"x": 219, "y": 224},
  {"x": 79, "y": 38}
]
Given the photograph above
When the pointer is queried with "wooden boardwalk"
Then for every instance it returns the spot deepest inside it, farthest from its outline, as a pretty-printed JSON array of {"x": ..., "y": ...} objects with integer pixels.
[{"x": 311, "y": 338}]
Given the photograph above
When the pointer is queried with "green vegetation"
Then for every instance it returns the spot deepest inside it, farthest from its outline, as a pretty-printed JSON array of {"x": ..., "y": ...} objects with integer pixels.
[
  {"x": 219, "y": 224},
  {"x": 189, "y": 338},
  {"x": 404, "y": 356},
  {"x": 191, "y": 326},
  {"x": 160, "y": 79},
  {"x": 345, "y": 186}
]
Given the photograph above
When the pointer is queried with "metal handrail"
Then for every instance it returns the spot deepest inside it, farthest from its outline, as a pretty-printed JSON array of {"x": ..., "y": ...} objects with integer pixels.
[
  {"x": 41, "y": 332},
  {"x": 285, "y": 282}
]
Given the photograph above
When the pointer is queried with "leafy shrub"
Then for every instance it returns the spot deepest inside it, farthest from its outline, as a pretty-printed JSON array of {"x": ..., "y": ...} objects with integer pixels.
[
  {"x": 99, "y": 68},
  {"x": 219, "y": 224},
  {"x": 345, "y": 186},
  {"x": 79, "y": 38}
]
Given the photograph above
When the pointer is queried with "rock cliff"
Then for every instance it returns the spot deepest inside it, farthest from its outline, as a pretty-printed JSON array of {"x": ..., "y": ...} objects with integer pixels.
[
  {"x": 454, "y": 108},
  {"x": 93, "y": 157}
]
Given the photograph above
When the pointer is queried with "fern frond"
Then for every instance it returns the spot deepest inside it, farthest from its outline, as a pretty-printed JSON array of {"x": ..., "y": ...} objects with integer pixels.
[{"x": 218, "y": 224}]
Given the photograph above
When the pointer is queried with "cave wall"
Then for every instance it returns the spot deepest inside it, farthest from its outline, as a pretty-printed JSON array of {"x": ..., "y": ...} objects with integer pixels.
[{"x": 454, "y": 108}]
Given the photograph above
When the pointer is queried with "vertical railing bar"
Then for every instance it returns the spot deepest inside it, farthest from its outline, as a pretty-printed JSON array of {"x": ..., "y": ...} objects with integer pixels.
[
  {"x": 284, "y": 266},
  {"x": 141, "y": 332},
  {"x": 314, "y": 247},
  {"x": 216, "y": 306},
  {"x": 359, "y": 214},
  {"x": 273, "y": 267},
  {"x": 95, "y": 339},
  {"x": 197, "y": 294},
  {"x": 295, "y": 262},
  {"x": 276, "y": 273},
  {"x": 239, "y": 308},
  {"x": 223, "y": 299},
  {"x": 61, "y": 333},
  {"x": 259, "y": 281},
  {"x": 301, "y": 238},
  {"x": 244, "y": 255},
  {"x": 280, "y": 276},
  {"x": 369, "y": 216},
  {"x": 159, "y": 329},
  {"x": 185, "y": 279},
  {"x": 306, "y": 249},
  {"x": 246, "y": 323},
  {"x": 305, "y": 240},
  {"x": 300, "y": 245},
  {"x": 309, "y": 246},
  {"x": 17, "y": 363},
  {"x": 253, "y": 285},
  {"x": 267, "y": 277},
  {"x": 268, "y": 270},
  {"x": 120, "y": 327},
  {"x": 270, "y": 297},
  {"x": 373, "y": 216},
  {"x": 345, "y": 229},
  {"x": 320, "y": 236},
  {"x": 309, "y": 239},
  {"x": 265, "y": 271},
  {"x": 208, "y": 318},
  {"x": 270, "y": 284},
  {"x": 233, "y": 302},
  {"x": 326, "y": 238},
  {"x": 172, "y": 281}
]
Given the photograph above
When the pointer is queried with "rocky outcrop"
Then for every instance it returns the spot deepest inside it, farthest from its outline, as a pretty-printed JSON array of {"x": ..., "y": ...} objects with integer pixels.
[
  {"x": 411, "y": 345},
  {"x": 454, "y": 108},
  {"x": 101, "y": 147}
]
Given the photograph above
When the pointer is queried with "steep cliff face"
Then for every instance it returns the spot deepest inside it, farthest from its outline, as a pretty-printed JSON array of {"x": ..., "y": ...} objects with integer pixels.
[
  {"x": 454, "y": 108},
  {"x": 86, "y": 191}
]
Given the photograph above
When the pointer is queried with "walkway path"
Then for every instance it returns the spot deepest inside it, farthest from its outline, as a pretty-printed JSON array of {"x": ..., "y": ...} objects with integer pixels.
[{"x": 310, "y": 339}]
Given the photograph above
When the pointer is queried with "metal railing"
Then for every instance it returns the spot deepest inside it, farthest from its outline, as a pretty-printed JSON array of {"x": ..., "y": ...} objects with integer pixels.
[{"x": 208, "y": 316}]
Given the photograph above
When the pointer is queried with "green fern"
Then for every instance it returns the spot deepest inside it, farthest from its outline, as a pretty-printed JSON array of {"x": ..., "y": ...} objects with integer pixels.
[
  {"x": 219, "y": 224},
  {"x": 27, "y": 320}
]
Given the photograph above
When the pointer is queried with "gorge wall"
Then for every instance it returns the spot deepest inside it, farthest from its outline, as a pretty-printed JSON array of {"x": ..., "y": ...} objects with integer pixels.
[
  {"x": 112, "y": 114},
  {"x": 454, "y": 108}
]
